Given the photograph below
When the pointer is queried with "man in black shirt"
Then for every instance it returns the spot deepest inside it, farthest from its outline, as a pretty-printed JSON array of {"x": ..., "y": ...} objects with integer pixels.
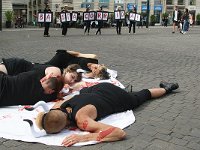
[{"x": 28, "y": 88}]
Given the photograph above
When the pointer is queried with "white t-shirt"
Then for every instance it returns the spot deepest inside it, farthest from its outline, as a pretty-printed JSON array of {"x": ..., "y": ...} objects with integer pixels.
[{"x": 176, "y": 15}]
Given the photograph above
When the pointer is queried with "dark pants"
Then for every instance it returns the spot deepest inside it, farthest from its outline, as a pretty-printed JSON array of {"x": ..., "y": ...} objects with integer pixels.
[
  {"x": 87, "y": 28},
  {"x": 46, "y": 28},
  {"x": 64, "y": 28},
  {"x": 119, "y": 26},
  {"x": 130, "y": 26},
  {"x": 100, "y": 24}
]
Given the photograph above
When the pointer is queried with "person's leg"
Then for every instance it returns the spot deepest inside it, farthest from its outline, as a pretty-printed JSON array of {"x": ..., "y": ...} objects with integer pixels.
[
  {"x": 64, "y": 26},
  {"x": 130, "y": 25},
  {"x": 134, "y": 27},
  {"x": 174, "y": 24},
  {"x": 120, "y": 27},
  {"x": 157, "y": 92}
]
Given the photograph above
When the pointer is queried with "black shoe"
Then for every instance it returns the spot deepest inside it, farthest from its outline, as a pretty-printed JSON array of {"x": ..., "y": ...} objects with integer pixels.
[
  {"x": 169, "y": 87},
  {"x": 173, "y": 32}
]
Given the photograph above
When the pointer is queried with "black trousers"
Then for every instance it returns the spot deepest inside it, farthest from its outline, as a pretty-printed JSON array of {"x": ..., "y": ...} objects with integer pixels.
[
  {"x": 118, "y": 26},
  {"x": 100, "y": 24},
  {"x": 87, "y": 28},
  {"x": 64, "y": 28},
  {"x": 130, "y": 26},
  {"x": 46, "y": 28}
]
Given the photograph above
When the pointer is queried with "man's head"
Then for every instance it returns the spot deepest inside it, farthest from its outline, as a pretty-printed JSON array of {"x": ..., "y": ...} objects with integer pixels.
[
  {"x": 52, "y": 122},
  {"x": 98, "y": 70},
  {"x": 176, "y": 7},
  {"x": 52, "y": 84},
  {"x": 71, "y": 75},
  {"x": 66, "y": 7}
]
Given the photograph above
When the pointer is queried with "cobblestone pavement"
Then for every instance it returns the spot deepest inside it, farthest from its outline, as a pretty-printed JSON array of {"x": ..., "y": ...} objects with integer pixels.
[{"x": 143, "y": 59}]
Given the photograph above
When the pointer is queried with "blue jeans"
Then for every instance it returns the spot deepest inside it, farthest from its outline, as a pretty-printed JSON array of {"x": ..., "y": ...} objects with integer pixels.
[{"x": 185, "y": 25}]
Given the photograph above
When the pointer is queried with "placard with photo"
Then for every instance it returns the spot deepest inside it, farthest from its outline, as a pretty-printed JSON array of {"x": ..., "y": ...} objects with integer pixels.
[
  {"x": 62, "y": 17},
  {"x": 92, "y": 16},
  {"x": 132, "y": 16},
  {"x": 117, "y": 15},
  {"x": 68, "y": 16},
  {"x": 86, "y": 16},
  {"x": 41, "y": 17},
  {"x": 122, "y": 14},
  {"x": 48, "y": 17},
  {"x": 99, "y": 15},
  {"x": 74, "y": 16},
  {"x": 105, "y": 16},
  {"x": 137, "y": 17}
]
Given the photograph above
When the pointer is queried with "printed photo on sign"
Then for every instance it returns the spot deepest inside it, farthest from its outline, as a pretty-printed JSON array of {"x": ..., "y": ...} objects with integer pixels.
[
  {"x": 122, "y": 14},
  {"x": 132, "y": 16},
  {"x": 74, "y": 16},
  {"x": 62, "y": 17},
  {"x": 105, "y": 16},
  {"x": 99, "y": 15},
  {"x": 92, "y": 15},
  {"x": 117, "y": 15},
  {"x": 40, "y": 17},
  {"x": 137, "y": 17},
  {"x": 48, "y": 17},
  {"x": 86, "y": 16},
  {"x": 68, "y": 16}
]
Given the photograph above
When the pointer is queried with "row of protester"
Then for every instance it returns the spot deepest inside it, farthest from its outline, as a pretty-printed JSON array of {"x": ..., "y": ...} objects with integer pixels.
[{"x": 66, "y": 17}]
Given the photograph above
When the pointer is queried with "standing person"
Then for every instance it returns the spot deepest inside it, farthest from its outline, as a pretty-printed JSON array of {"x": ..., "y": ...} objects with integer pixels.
[
  {"x": 100, "y": 22},
  {"x": 132, "y": 22},
  {"x": 176, "y": 18},
  {"x": 118, "y": 22},
  {"x": 65, "y": 24},
  {"x": 185, "y": 21},
  {"x": 46, "y": 24},
  {"x": 87, "y": 23}
]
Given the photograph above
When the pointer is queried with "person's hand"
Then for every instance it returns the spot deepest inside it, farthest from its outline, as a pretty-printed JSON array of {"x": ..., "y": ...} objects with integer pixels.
[{"x": 71, "y": 140}]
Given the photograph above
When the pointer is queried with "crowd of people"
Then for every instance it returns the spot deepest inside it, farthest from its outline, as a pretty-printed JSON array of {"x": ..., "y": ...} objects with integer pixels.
[{"x": 25, "y": 83}]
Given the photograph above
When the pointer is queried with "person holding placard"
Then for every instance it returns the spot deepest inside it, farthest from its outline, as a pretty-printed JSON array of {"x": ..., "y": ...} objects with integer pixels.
[
  {"x": 132, "y": 15},
  {"x": 100, "y": 20},
  {"x": 66, "y": 23},
  {"x": 47, "y": 23},
  {"x": 118, "y": 20},
  {"x": 87, "y": 20}
]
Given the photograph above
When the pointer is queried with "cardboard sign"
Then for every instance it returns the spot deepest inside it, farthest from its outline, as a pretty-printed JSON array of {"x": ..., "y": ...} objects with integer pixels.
[
  {"x": 105, "y": 16},
  {"x": 134, "y": 17},
  {"x": 89, "y": 16},
  {"x": 40, "y": 17},
  {"x": 68, "y": 16},
  {"x": 45, "y": 17},
  {"x": 48, "y": 17},
  {"x": 74, "y": 16},
  {"x": 62, "y": 17},
  {"x": 119, "y": 15}
]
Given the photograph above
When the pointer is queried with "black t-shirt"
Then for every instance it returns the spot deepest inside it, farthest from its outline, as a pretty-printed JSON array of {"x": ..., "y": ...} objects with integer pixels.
[
  {"x": 23, "y": 89},
  {"x": 106, "y": 97}
]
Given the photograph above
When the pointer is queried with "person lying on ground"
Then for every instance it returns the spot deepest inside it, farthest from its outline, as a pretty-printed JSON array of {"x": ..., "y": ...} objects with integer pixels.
[
  {"x": 15, "y": 66},
  {"x": 91, "y": 105},
  {"x": 27, "y": 88},
  {"x": 88, "y": 62}
]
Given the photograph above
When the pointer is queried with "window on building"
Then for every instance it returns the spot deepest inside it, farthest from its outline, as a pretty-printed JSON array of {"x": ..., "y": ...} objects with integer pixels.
[
  {"x": 169, "y": 2},
  {"x": 119, "y": 1},
  {"x": 192, "y": 2},
  {"x": 85, "y": 5},
  {"x": 104, "y": 1},
  {"x": 157, "y": 2},
  {"x": 88, "y": 1},
  {"x": 180, "y": 2}
]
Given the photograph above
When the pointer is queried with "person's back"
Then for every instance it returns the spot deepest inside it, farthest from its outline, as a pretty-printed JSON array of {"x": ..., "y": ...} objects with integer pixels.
[{"x": 23, "y": 89}]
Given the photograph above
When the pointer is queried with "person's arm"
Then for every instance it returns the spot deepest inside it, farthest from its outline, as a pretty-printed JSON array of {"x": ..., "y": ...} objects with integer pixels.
[
  {"x": 78, "y": 54},
  {"x": 98, "y": 132}
]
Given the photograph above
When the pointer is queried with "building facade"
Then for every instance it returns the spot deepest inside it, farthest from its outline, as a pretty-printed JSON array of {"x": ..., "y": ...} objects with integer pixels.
[{"x": 29, "y": 8}]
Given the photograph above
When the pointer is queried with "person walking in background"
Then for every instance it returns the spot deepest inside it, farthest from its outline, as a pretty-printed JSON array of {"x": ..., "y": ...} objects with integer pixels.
[
  {"x": 176, "y": 18},
  {"x": 87, "y": 23},
  {"x": 185, "y": 21},
  {"x": 46, "y": 24},
  {"x": 118, "y": 22},
  {"x": 100, "y": 23},
  {"x": 132, "y": 22},
  {"x": 66, "y": 23}
]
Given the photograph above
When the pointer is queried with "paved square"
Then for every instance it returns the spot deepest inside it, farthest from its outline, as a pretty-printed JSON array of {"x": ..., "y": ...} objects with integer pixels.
[{"x": 143, "y": 60}]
